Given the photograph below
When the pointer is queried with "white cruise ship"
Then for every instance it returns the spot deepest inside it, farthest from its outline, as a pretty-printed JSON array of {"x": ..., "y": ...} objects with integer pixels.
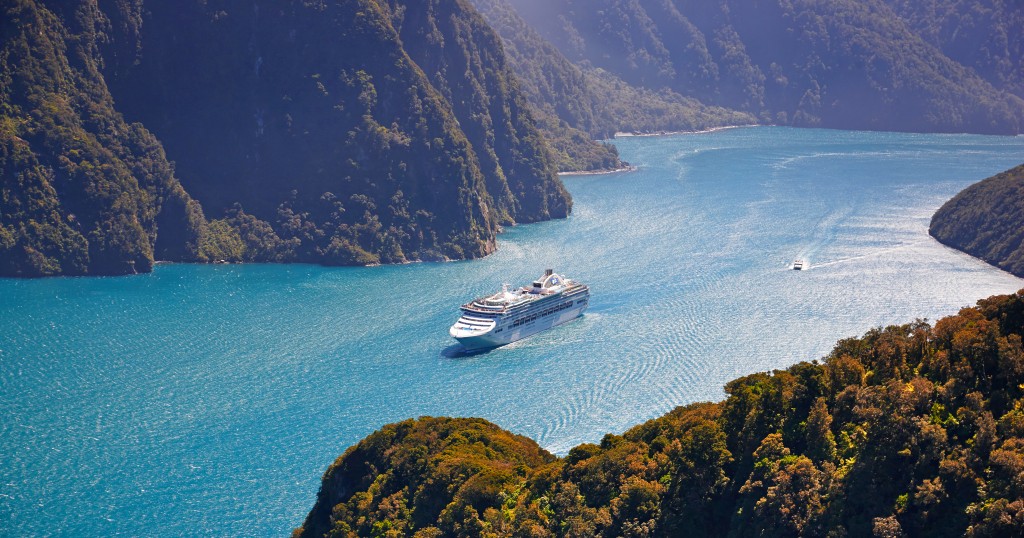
[{"x": 508, "y": 316}]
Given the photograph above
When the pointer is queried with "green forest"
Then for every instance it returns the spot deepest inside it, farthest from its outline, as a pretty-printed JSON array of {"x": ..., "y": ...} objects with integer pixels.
[
  {"x": 909, "y": 430},
  {"x": 935, "y": 66},
  {"x": 986, "y": 220},
  {"x": 358, "y": 132},
  {"x": 576, "y": 102},
  {"x": 328, "y": 132}
]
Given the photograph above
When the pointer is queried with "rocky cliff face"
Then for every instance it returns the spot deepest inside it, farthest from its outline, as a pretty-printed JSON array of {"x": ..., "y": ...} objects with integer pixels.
[
  {"x": 306, "y": 130},
  {"x": 82, "y": 191},
  {"x": 464, "y": 59},
  {"x": 983, "y": 35},
  {"x": 313, "y": 118}
]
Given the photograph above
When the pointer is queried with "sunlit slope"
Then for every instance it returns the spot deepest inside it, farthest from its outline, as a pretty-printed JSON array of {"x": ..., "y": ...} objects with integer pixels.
[{"x": 908, "y": 430}]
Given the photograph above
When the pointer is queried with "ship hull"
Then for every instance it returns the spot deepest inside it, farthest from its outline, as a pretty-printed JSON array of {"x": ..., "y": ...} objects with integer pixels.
[{"x": 505, "y": 331}]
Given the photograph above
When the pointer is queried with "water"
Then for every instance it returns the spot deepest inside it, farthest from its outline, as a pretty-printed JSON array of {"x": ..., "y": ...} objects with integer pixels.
[{"x": 208, "y": 400}]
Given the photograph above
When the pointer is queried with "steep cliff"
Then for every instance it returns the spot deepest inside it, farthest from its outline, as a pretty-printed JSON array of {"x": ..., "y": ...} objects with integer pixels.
[
  {"x": 984, "y": 35},
  {"x": 342, "y": 132},
  {"x": 311, "y": 117},
  {"x": 465, "y": 60},
  {"x": 82, "y": 191}
]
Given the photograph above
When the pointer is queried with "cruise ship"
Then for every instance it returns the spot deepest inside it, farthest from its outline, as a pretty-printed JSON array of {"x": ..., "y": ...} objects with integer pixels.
[{"x": 511, "y": 315}]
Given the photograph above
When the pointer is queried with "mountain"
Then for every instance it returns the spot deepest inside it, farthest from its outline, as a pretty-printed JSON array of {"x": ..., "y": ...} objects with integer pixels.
[
  {"x": 986, "y": 220},
  {"x": 465, "y": 61},
  {"x": 342, "y": 132},
  {"x": 984, "y": 35},
  {"x": 82, "y": 191},
  {"x": 385, "y": 131},
  {"x": 911, "y": 430},
  {"x": 572, "y": 99},
  {"x": 556, "y": 90},
  {"x": 340, "y": 125},
  {"x": 842, "y": 64}
]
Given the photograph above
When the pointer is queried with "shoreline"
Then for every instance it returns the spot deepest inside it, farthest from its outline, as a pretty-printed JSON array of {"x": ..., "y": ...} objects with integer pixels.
[
  {"x": 669, "y": 133},
  {"x": 628, "y": 168}
]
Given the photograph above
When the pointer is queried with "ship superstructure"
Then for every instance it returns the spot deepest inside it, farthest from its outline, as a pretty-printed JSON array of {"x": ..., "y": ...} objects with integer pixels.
[{"x": 511, "y": 315}]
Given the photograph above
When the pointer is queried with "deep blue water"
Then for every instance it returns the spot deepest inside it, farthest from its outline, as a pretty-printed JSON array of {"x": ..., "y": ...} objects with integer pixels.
[{"x": 208, "y": 400}]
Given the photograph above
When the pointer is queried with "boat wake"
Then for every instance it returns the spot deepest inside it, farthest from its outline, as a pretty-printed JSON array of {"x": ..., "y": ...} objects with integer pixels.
[{"x": 872, "y": 254}]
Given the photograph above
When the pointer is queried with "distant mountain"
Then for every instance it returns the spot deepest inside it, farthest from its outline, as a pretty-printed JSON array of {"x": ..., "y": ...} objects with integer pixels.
[
  {"x": 384, "y": 131},
  {"x": 562, "y": 101},
  {"x": 841, "y": 64},
  {"x": 571, "y": 98},
  {"x": 342, "y": 132},
  {"x": 910, "y": 430},
  {"x": 986, "y": 220},
  {"x": 984, "y": 35}
]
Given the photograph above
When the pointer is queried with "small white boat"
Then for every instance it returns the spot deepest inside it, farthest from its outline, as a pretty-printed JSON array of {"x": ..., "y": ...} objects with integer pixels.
[{"x": 799, "y": 265}]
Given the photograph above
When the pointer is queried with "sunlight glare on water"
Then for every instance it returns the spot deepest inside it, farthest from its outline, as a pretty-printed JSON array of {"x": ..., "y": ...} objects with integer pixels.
[{"x": 203, "y": 400}]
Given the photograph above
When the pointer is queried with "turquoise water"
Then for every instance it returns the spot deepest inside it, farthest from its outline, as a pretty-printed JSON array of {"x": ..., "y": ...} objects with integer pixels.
[{"x": 208, "y": 400}]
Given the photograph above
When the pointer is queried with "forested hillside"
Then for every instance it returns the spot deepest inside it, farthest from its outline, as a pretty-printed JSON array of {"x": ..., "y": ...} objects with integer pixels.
[
  {"x": 986, "y": 220},
  {"x": 340, "y": 125},
  {"x": 984, "y": 35},
  {"x": 381, "y": 131},
  {"x": 911, "y": 430},
  {"x": 342, "y": 132},
  {"x": 853, "y": 64},
  {"x": 81, "y": 190},
  {"x": 576, "y": 103},
  {"x": 467, "y": 65}
]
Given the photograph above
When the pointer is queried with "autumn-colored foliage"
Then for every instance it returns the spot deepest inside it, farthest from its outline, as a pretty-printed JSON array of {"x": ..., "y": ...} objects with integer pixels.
[{"x": 910, "y": 430}]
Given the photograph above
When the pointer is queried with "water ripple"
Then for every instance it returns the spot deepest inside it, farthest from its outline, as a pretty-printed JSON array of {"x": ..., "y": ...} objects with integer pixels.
[{"x": 208, "y": 399}]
